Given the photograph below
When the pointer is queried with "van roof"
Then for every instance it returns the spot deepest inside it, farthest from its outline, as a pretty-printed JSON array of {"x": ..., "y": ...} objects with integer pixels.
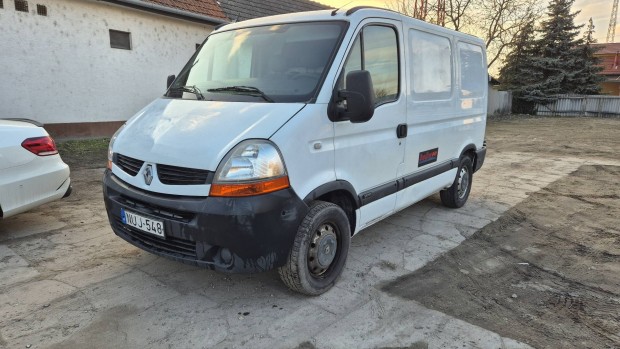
[{"x": 350, "y": 14}]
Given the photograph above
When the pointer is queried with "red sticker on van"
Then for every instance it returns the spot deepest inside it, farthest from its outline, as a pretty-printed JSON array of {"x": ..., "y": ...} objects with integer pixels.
[{"x": 428, "y": 156}]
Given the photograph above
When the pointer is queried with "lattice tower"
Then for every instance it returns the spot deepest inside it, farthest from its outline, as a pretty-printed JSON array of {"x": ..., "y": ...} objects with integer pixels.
[{"x": 611, "y": 31}]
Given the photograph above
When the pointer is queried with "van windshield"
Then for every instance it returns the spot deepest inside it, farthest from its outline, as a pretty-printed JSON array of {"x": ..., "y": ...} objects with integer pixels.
[{"x": 283, "y": 63}]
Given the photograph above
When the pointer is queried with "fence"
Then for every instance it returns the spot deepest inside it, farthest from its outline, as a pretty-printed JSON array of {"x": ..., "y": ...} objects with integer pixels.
[
  {"x": 500, "y": 102},
  {"x": 601, "y": 106}
]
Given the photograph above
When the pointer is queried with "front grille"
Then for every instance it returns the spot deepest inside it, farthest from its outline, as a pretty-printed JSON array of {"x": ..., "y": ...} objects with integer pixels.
[
  {"x": 174, "y": 175},
  {"x": 130, "y": 165},
  {"x": 156, "y": 211},
  {"x": 170, "y": 245}
]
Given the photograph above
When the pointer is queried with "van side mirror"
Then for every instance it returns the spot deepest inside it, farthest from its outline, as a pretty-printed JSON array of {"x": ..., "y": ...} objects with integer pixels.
[
  {"x": 170, "y": 80},
  {"x": 359, "y": 97}
]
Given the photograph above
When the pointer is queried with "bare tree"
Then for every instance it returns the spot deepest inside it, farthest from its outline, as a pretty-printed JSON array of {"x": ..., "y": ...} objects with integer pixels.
[
  {"x": 498, "y": 22},
  {"x": 502, "y": 21},
  {"x": 457, "y": 13}
]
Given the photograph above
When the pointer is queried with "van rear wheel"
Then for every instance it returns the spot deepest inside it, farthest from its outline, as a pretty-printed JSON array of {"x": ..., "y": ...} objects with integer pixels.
[
  {"x": 319, "y": 251},
  {"x": 457, "y": 194}
]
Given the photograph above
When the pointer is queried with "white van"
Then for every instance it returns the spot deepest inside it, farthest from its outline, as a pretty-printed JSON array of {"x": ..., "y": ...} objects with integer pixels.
[{"x": 284, "y": 136}]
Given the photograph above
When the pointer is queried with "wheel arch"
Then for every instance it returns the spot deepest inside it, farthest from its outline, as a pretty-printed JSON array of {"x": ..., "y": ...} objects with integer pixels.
[
  {"x": 340, "y": 193},
  {"x": 470, "y": 150}
]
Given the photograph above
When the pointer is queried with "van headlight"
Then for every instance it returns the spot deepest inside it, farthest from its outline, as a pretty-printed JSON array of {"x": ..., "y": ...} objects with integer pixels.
[
  {"x": 253, "y": 167},
  {"x": 110, "y": 152}
]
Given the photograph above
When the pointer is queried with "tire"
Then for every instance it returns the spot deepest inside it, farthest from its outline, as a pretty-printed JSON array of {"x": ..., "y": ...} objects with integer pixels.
[
  {"x": 457, "y": 194},
  {"x": 310, "y": 268}
]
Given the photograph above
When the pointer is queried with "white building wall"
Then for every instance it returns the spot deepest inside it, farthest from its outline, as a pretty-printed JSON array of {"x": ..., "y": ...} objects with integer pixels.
[{"x": 61, "y": 68}]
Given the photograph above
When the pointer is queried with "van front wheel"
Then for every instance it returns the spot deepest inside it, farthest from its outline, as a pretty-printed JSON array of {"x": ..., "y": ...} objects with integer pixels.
[
  {"x": 319, "y": 251},
  {"x": 457, "y": 194}
]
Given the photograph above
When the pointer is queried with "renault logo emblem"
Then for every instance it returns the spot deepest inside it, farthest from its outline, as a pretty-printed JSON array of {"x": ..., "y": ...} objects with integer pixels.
[{"x": 148, "y": 174}]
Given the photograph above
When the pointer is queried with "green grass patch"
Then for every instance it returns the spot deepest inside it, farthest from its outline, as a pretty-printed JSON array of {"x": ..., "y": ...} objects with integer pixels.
[
  {"x": 83, "y": 146},
  {"x": 87, "y": 153}
]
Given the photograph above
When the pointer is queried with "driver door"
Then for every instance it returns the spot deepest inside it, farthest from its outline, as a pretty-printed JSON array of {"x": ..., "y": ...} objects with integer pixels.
[{"x": 369, "y": 154}]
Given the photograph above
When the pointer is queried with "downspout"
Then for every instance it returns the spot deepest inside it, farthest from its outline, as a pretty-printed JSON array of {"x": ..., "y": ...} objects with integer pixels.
[{"x": 168, "y": 11}]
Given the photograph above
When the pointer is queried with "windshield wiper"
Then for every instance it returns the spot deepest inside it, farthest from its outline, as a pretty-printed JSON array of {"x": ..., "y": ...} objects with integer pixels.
[
  {"x": 247, "y": 90},
  {"x": 189, "y": 89}
]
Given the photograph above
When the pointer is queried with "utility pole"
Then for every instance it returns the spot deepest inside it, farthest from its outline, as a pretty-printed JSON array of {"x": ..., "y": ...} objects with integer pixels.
[{"x": 611, "y": 31}]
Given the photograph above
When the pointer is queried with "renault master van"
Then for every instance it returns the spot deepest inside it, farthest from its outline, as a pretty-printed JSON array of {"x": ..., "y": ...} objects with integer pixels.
[{"x": 285, "y": 136}]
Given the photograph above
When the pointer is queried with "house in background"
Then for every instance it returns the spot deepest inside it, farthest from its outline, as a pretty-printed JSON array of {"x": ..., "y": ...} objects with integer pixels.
[
  {"x": 240, "y": 10},
  {"x": 610, "y": 61},
  {"x": 83, "y": 67}
]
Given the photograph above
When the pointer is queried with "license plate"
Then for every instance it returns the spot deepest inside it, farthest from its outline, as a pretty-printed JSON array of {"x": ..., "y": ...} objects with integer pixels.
[{"x": 145, "y": 224}]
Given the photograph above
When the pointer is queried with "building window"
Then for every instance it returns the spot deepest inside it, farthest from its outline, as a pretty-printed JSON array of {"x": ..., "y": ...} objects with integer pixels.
[
  {"x": 1, "y": 3},
  {"x": 21, "y": 5},
  {"x": 119, "y": 39},
  {"x": 41, "y": 10}
]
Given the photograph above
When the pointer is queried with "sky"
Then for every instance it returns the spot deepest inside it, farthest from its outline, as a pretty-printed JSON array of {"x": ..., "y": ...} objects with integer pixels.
[{"x": 599, "y": 10}]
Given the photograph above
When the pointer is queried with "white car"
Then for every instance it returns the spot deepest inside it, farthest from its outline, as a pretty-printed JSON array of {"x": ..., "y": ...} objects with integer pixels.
[{"x": 31, "y": 171}]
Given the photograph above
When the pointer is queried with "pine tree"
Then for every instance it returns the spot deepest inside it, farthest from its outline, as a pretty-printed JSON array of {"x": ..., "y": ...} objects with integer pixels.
[
  {"x": 558, "y": 61},
  {"x": 518, "y": 69},
  {"x": 588, "y": 80},
  {"x": 520, "y": 74},
  {"x": 536, "y": 70}
]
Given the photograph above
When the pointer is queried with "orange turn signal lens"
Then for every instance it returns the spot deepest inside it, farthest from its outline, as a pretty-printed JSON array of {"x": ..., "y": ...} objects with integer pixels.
[
  {"x": 249, "y": 189},
  {"x": 109, "y": 165}
]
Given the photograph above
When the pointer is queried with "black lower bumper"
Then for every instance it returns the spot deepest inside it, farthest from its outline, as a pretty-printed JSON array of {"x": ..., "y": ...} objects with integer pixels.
[
  {"x": 480, "y": 155},
  {"x": 68, "y": 192},
  {"x": 248, "y": 234}
]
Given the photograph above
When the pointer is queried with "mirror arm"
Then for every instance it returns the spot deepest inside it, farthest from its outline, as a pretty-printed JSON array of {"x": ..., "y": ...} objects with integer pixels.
[{"x": 335, "y": 110}]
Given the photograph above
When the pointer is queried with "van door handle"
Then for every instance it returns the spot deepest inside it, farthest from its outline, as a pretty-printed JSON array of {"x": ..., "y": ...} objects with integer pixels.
[{"x": 401, "y": 131}]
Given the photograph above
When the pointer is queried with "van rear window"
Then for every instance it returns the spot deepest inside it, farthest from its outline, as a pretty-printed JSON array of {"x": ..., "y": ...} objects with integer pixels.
[{"x": 473, "y": 71}]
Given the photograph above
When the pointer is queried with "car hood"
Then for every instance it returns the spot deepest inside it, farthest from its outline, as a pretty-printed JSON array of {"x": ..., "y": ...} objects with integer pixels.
[{"x": 197, "y": 134}]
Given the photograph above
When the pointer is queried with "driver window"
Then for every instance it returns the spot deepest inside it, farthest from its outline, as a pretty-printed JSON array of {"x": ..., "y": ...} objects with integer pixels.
[{"x": 376, "y": 49}]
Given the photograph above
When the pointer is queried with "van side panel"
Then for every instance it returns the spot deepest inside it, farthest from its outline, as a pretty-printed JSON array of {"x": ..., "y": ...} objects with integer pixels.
[
  {"x": 306, "y": 142},
  {"x": 446, "y": 110}
]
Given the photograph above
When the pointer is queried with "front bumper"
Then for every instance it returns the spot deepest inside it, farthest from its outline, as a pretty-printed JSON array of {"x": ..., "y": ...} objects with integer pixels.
[{"x": 249, "y": 234}]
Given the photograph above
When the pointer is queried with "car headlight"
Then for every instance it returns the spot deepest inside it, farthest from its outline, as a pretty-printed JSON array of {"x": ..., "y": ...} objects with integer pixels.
[
  {"x": 110, "y": 153},
  {"x": 253, "y": 167}
]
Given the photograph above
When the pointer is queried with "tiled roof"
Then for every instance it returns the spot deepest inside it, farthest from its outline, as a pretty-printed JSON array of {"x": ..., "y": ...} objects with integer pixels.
[
  {"x": 203, "y": 7},
  {"x": 240, "y": 10},
  {"x": 610, "y": 58},
  {"x": 607, "y": 48},
  {"x": 611, "y": 65}
]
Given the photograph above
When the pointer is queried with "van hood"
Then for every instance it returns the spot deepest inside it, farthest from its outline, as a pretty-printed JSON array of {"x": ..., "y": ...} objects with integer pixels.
[{"x": 197, "y": 134}]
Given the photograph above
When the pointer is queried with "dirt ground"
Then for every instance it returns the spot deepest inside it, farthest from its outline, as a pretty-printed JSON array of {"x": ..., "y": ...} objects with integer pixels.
[
  {"x": 579, "y": 137},
  {"x": 532, "y": 259},
  {"x": 547, "y": 272}
]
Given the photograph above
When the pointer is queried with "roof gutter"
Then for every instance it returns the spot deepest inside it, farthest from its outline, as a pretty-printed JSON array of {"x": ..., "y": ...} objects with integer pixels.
[{"x": 168, "y": 11}]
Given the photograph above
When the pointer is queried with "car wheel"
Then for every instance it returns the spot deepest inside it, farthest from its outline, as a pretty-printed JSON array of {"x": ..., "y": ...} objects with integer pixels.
[
  {"x": 319, "y": 251},
  {"x": 457, "y": 194}
]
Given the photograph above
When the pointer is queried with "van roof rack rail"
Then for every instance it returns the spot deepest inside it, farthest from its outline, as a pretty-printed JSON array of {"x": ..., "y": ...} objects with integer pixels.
[{"x": 352, "y": 10}]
